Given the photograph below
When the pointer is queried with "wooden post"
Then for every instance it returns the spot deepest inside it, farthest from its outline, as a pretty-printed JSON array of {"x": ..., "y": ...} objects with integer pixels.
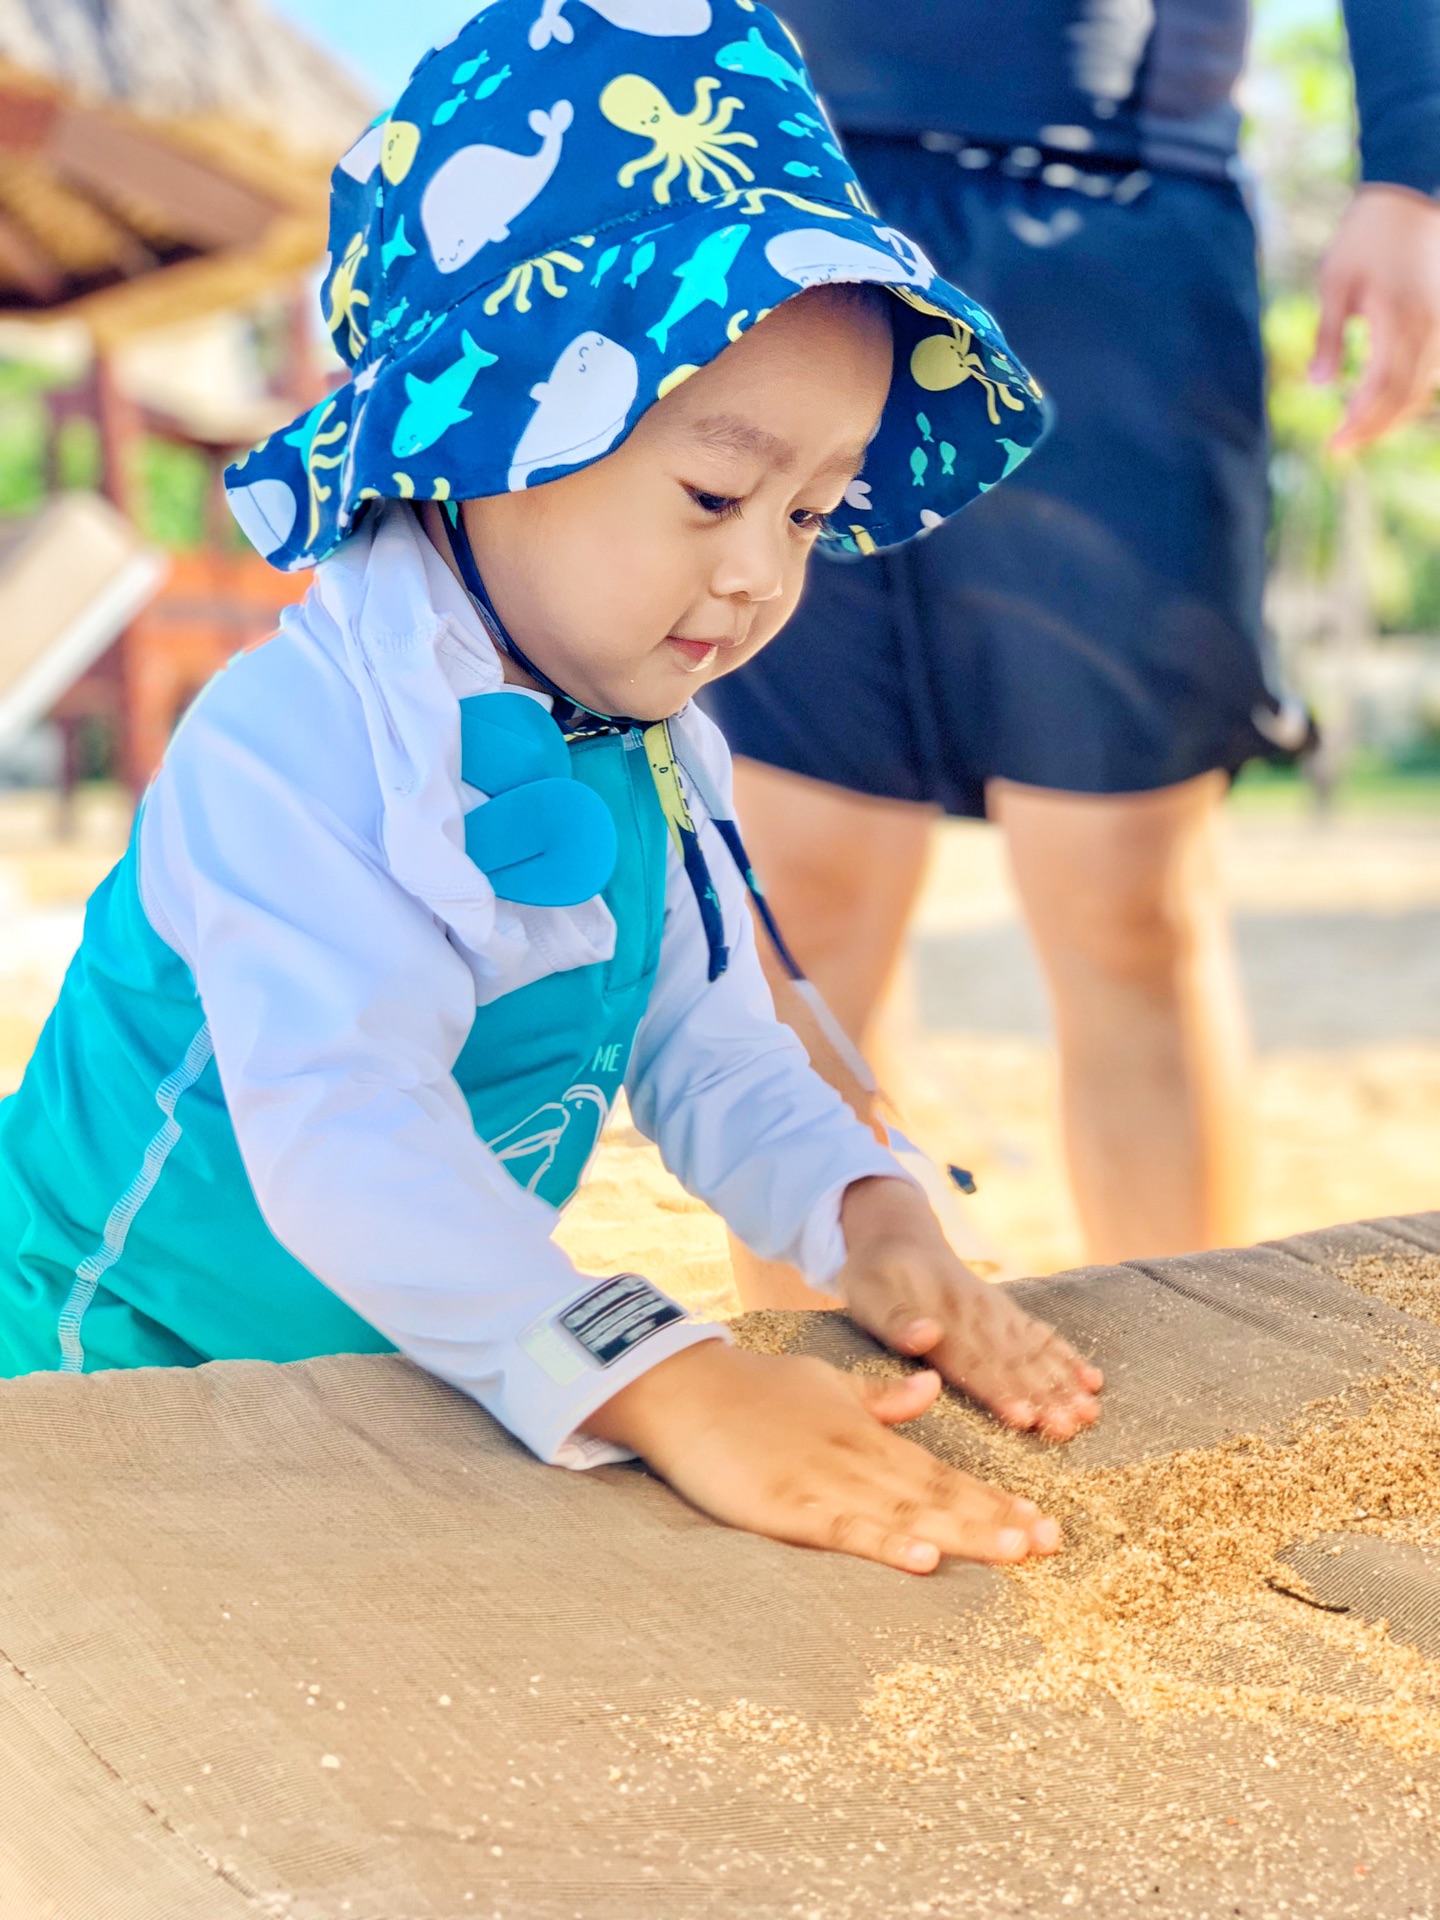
[{"x": 119, "y": 421}]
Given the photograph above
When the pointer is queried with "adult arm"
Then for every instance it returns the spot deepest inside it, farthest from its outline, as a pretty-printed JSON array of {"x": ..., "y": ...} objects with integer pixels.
[{"x": 1384, "y": 263}]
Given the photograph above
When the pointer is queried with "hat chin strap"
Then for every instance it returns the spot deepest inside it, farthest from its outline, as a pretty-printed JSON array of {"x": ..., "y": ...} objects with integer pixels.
[{"x": 571, "y": 715}]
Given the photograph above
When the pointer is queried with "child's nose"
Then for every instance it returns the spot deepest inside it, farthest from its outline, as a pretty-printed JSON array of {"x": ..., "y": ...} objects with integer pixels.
[{"x": 753, "y": 567}]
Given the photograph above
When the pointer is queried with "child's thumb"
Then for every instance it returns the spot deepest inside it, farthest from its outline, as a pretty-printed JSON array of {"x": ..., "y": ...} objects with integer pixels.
[{"x": 892, "y": 1402}]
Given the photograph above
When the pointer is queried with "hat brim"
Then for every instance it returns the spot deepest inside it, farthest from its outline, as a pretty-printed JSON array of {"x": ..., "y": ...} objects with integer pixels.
[{"x": 549, "y": 367}]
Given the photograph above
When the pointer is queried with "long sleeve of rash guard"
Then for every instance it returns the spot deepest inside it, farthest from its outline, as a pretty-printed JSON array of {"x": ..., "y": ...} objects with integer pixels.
[
  {"x": 338, "y": 1005},
  {"x": 1395, "y": 48}
]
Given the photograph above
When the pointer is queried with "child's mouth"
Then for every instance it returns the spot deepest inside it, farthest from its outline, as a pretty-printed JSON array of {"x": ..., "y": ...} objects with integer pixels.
[{"x": 693, "y": 656}]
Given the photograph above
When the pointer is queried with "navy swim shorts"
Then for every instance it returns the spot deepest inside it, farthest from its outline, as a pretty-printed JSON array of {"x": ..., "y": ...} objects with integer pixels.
[{"x": 1092, "y": 625}]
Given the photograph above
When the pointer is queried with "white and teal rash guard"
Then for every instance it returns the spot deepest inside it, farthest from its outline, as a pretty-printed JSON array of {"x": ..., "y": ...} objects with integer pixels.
[{"x": 311, "y": 1087}]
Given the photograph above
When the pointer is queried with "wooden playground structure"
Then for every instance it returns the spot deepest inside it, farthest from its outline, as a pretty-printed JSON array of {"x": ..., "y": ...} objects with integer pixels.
[{"x": 157, "y": 167}]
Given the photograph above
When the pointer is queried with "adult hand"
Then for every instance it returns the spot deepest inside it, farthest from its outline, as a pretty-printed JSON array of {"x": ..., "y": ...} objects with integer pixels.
[
  {"x": 903, "y": 1283},
  {"x": 1384, "y": 265},
  {"x": 792, "y": 1448}
]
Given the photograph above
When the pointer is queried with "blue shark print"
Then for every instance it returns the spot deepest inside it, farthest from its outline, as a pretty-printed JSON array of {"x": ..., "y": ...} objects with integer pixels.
[
  {"x": 759, "y": 61},
  {"x": 398, "y": 248},
  {"x": 702, "y": 277},
  {"x": 437, "y": 405}
]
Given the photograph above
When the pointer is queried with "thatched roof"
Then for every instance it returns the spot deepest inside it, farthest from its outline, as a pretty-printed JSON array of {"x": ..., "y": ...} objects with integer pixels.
[
  {"x": 160, "y": 157},
  {"x": 184, "y": 59}
]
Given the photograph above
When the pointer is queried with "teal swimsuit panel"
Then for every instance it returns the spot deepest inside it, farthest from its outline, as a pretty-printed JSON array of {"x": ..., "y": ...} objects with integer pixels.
[{"x": 129, "y": 1232}]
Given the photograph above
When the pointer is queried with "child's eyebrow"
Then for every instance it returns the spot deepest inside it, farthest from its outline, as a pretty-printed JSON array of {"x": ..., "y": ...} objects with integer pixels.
[{"x": 727, "y": 433}]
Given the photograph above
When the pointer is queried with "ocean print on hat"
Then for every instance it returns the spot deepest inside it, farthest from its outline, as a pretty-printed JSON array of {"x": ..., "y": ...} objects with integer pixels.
[{"x": 574, "y": 205}]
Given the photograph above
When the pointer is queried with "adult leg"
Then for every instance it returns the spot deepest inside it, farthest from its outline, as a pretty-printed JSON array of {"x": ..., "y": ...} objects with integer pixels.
[
  {"x": 1123, "y": 899},
  {"x": 841, "y": 871}
]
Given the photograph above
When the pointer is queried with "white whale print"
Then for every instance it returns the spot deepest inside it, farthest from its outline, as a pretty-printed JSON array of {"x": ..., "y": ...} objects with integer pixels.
[
  {"x": 659, "y": 18},
  {"x": 581, "y": 407},
  {"x": 810, "y": 257},
  {"x": 479, "y": 190},
  {"x": 364, "y": 157},
  {"x": 266, "y": 512},
  {"x": 922, "y": 272}
]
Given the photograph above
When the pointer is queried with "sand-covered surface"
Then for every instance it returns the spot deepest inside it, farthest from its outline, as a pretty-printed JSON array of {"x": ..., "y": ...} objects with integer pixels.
[{"x": 1340, "y": 940}]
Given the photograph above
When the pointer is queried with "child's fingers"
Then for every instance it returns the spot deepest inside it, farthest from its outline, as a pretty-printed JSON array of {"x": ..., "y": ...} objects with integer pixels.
[
  {"x": 913, "y": 1517},
  {"x": 1018, "y": 1367},
  {"x": 893, "y": 1402}
]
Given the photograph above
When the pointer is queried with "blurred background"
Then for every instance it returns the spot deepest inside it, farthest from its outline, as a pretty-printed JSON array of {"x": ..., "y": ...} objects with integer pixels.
[{"x": 162, "y": 224}]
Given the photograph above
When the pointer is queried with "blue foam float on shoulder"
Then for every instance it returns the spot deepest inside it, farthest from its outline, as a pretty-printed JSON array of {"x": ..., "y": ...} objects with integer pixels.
[
  {"x": 508, "y": 740},
  {"x": 548, "y": 843}
]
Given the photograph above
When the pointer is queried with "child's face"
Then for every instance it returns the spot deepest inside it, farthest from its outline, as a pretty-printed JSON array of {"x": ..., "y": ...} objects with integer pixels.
[{"x": 677, "y": 557}]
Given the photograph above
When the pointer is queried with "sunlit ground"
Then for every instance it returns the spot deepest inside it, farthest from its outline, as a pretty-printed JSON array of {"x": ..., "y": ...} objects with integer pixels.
[{"x": 1339, "y": 928}]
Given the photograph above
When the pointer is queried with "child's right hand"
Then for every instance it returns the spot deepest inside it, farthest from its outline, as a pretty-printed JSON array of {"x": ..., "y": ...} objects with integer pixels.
[{"x": 793, "y": 1448}]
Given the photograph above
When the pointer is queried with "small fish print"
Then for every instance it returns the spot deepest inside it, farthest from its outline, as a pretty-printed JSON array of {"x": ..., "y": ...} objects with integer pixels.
[
  {"x": 795, "y": 131},
  {"x": 391, "y": 321},
  {"x": 604, "y": 264},
  {"x": 414, "y": 331},
  {"x": 801, "y": 171},
  {"x": 947, "y": 458},
  {"x": 924, "y": 425},
  {"x": 487, "y": 87},
  {"x": 919, "y": 466},
  {"x": 466, "y": 72},
  {"x": 447, "y": 111},
  {"x": 641, "y": 262}
]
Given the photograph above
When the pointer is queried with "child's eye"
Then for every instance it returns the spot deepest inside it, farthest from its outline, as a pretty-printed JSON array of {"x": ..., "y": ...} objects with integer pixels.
[
  {"x": 809, "y": 522},
  {"x": 721, "y": 505}
]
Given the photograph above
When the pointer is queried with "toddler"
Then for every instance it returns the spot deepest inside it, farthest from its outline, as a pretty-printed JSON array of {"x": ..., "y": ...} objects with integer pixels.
[{"x": 428, "y": 878}]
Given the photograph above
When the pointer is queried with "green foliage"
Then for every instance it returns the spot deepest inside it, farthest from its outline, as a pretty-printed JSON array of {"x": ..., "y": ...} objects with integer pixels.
[
  {"x": 173, "y": 483},
  {"x": 22, "y": 438}
]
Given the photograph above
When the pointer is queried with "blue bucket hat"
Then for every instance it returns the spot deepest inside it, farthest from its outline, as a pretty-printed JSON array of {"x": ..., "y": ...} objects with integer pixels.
[{"x": 574, "y": 205}]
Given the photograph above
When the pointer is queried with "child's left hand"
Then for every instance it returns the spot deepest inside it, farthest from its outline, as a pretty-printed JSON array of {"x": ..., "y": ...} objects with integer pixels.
[{"x": 903, "y": 1284}]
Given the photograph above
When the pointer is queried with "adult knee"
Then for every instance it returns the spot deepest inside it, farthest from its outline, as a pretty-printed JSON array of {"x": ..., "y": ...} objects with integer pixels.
[{"x": 1124, "y": 888}]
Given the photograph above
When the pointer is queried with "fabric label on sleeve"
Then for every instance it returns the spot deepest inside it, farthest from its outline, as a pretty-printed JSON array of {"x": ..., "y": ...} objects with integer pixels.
[
  {"x": 617, "y": 1315},
  {"x": 553, "y": 1356}
]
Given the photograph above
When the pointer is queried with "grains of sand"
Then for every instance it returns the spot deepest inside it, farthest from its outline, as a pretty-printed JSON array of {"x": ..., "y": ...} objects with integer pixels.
[
  {"x": 1172, "y": 1598},
  {"x": 1409, "y": 1281}
]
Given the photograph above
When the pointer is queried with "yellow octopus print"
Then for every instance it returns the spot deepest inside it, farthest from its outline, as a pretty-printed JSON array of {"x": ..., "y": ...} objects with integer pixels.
[
  {"x": 314, "y": 439},
  {"x": 697, "y": 141},
  {"x": 945, "y": 360},
  {"x": 346, "y": 297},
  {"x": 543, "y": 267}
]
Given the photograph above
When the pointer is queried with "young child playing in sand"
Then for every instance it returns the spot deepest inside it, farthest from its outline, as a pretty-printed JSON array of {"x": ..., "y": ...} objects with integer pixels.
[{"x": 425, "y": 880}]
